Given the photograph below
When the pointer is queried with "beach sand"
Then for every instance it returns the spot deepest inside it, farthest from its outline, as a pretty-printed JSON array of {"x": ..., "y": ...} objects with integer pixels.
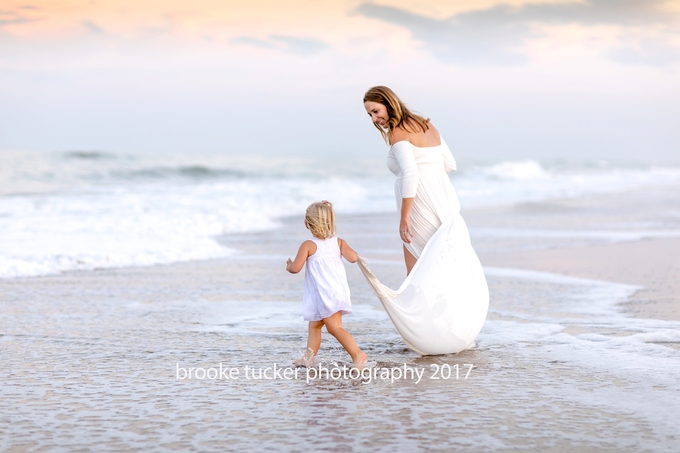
[
  {"x": 647, "y": 261},
  {"x": 91, "y": 358},
  {"x": 653, "y": 264}
]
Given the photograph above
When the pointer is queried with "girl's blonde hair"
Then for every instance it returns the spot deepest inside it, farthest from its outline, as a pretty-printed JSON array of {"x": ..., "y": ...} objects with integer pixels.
[
  {"x": 320, "y": 219},
  {"x": 397, "y": 113}
]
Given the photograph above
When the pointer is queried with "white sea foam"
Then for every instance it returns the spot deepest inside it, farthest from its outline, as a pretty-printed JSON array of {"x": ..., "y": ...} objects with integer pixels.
[
  {"x": 584, "y": 303},
  {"x": 637, "y": 364},
  {"x": 88, "y": 210},
  {"x": 522, "y": 170},
  {"x": 509, "y": 183},
  {"x": 512, "y": 332},
  {"x": 150, "y": 224}
]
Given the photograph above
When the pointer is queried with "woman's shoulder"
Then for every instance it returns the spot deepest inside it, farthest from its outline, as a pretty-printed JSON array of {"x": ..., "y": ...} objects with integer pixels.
[
  {"x": 399, "y": 135},
  {"x": 416, "y": 137}
]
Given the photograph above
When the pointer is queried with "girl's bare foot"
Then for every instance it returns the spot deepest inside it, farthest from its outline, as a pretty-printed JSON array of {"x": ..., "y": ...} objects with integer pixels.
[
  {"x": 359, "y": 360},
  {"x": 306, "y": 361}
]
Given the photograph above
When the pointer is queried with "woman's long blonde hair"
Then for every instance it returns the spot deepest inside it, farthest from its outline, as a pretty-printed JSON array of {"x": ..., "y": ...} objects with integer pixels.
[
  {"x": 397, "y": 112},
  {"x": 320, "y": 219}
]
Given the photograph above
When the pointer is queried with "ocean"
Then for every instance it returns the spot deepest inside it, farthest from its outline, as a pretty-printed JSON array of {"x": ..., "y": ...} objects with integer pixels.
[{"x": 85, "y": 210}]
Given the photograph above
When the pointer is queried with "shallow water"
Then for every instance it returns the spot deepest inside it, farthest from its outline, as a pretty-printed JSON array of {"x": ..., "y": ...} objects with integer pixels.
[{"x": 96, "y": 358}]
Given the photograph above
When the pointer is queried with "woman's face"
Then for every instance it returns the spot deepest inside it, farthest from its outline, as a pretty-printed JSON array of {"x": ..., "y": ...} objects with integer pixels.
[{"x": 377, "y": 112}]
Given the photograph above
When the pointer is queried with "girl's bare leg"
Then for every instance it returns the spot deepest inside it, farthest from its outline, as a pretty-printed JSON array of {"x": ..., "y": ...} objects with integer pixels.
[
  {"x": 334, "y": 327},
  {"x": 410, "y": 260},
  {"x": 313, "y": 344}
]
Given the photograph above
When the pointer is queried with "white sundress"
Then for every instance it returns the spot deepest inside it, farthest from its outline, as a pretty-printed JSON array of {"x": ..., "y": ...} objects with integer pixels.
[{"x": 326, "y": 289}]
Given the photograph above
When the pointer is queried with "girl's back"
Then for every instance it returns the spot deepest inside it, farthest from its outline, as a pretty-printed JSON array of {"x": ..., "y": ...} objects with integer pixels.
[
  {"x": 326, "y": 288},
  {"x": 326, "y": 296}
]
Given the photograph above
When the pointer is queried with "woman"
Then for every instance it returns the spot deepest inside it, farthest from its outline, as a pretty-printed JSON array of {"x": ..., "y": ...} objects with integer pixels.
[
  {"x": 421, "y": 160},
  {"x": 442, "y": 304}
]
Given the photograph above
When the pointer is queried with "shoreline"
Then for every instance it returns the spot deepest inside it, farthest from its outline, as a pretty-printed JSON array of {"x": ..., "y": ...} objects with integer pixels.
[
  {"x": 659, "y": 297},
  {"x": 653, "y": 268},
  {"x": 648, "y": 263},
  {"x": 101, "y": 346}
]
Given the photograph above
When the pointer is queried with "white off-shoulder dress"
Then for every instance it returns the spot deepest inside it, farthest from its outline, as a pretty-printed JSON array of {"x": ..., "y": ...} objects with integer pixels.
[
  {"x": 423, "y": 173},
  {"x": 442, "y": 304},
  {"x": 326, "y": 289}
]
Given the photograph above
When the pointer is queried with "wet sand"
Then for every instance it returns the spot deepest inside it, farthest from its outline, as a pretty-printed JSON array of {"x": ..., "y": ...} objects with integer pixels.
[
  {"x": 653, "y": 264},
  {"x": 647, "y": 261}
]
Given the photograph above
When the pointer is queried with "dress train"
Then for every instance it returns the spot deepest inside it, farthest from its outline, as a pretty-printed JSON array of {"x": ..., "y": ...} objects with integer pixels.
[{"x": 441, "y": 306}]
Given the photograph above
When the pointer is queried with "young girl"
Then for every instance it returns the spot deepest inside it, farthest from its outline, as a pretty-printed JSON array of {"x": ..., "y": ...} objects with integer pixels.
[{"x": 326, "y": 295}]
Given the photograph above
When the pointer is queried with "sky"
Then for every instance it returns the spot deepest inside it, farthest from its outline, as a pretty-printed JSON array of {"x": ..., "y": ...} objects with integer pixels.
[{"x": 587, "y": 79}]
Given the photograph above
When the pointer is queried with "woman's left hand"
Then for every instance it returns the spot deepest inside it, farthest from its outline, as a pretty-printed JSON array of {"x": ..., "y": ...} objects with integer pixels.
[{"x": 405, "y": 230}]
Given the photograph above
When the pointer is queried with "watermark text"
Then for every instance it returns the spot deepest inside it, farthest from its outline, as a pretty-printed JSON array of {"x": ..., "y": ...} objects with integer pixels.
[{"x": 405, "y": 372}]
